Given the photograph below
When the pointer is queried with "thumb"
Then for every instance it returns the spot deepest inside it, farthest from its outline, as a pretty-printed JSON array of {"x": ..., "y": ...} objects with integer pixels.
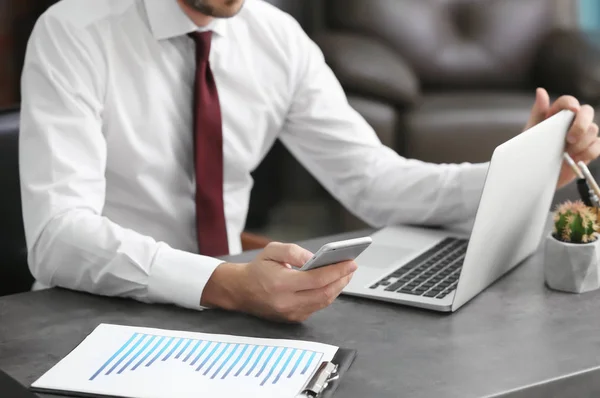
[
  {"x": 293, "y": 255},
  {"x": 540, "y": 108}
]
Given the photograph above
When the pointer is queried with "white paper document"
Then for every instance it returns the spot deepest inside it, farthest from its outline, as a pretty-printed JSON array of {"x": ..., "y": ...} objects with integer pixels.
[{"x": 132, "y": 362}]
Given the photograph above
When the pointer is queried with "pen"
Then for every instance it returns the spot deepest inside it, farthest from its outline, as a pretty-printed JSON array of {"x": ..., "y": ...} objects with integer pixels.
[
  {"x": 585, "y": 192},
  {"x": 573, "y": 166},
  {"x": 591, "y": 181}
]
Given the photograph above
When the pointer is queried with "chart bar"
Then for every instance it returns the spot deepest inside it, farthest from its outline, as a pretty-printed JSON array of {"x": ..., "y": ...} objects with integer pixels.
[
  {"x": 126, "y": 355},
  {"x": 257, "y": 360},
  {"x": 208, "y": 343},
  {"x": 274, "y": 366},
  {"x": 185, "y": 347},
  {"x": 296, "y": 364},
  {"x": 285, "y": 365},
  {"x": 235, "y": 347},
  {"x": 148, "y": 353},
  {"x": 193, "y": 349},
  {"x": 162, "y": 350},
  {"x": 216, "y": 359},
  {"x": 312, "y": 356},
  {"x": 247, "y": 361},
  {"x": 215, "y": 348},
  {"x": 116, "y": 354},
  {"x": 137, "y": 354},
  {"x": 179, "y": 341}
]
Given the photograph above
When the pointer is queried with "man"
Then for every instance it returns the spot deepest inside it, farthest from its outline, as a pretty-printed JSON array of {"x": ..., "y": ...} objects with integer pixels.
[{"x": 141, "y": 123}]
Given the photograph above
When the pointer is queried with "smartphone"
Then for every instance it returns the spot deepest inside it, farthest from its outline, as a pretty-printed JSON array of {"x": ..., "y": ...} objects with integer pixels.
[{"x": 337, "y": 252}]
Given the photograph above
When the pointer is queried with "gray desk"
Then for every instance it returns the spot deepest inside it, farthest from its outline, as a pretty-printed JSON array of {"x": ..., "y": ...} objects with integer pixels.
[{"x": 517, "y": 339}]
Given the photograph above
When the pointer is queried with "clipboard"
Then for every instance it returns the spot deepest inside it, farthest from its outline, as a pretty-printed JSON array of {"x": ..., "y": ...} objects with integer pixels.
[
  {"x": 88, "y": 363},
  {"x": 329, "y": 375},
  {"x": 323, "y": 384}
]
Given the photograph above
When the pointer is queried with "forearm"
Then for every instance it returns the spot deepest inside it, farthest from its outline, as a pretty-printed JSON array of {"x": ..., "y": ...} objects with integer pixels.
[
  {"x": 383, "y": 188},
  {"x": 408, "y": 191},
  {"x": 83, "y": 251}
]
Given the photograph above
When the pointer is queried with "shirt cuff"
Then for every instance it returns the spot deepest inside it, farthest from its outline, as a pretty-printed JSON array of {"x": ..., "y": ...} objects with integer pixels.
[
  {"x": 472, "y": 180},
  {"x": 179, "y": 277}
]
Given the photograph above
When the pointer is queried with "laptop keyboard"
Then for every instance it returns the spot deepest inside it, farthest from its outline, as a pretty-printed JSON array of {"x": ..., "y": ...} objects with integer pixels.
[{"x": 433, "y": 274}]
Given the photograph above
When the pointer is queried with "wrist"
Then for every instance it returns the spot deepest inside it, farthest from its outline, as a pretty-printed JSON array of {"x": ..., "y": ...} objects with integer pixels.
[{"x": 224, "y": 288}]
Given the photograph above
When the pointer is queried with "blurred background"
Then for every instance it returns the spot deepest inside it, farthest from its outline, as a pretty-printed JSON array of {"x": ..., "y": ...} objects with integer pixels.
[{"x": 439, "y": 80}]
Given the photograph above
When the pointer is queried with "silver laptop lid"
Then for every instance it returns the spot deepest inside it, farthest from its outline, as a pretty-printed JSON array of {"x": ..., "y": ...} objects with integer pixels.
[{"x": 514, "y": 206}]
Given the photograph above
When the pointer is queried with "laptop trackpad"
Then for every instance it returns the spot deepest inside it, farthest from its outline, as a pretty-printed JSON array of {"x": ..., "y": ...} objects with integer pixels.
[{"x": 380, "y": 256}]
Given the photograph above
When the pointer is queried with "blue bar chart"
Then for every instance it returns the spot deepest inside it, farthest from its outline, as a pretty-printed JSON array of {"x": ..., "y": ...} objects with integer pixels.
[
  {"x": 263, "y": 365},
  {"x": 138, "y": 362}
]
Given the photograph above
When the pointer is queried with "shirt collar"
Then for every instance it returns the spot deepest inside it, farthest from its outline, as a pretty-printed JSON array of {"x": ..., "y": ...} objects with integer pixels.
[{"x": 167, "y": 20}]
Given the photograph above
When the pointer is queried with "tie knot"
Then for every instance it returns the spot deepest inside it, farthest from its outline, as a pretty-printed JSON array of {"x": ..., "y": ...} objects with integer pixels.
[{"x": 203, "y": 40}]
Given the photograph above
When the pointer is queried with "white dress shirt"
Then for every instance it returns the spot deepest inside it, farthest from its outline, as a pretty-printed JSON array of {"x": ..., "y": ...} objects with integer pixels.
[{"x": 106, "y": 139}]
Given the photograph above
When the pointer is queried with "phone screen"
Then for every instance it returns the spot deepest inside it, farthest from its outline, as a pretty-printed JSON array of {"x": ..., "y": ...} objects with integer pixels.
[{"x": 334, "y": 254}]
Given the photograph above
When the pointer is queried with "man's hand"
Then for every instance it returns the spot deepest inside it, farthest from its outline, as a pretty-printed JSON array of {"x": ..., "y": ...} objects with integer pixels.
[
  {"x": 269, "y": 288},
  {"x": 583, "y": 143}
]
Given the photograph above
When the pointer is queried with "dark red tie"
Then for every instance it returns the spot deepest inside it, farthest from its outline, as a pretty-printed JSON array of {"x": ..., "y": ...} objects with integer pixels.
[{"x": 208, "y": 142}]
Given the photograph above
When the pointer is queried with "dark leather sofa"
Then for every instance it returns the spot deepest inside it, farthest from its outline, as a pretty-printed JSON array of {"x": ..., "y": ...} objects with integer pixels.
[{"x": 455, "y": 78}]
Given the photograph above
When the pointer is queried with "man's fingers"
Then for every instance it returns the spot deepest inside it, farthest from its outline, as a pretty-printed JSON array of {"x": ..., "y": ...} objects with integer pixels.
[
  {"x": 318, "y": 299},
  {"x": 301, "y": 305},
  {"x": 591, "y": 153},
  {"x": 583, "y": 142},
  {"x": 286, "y": 253},
  {"x": 321, "y": 277},
  {"x": 581, "y": 125},
  {"x": 540, "y": 108},
  {"x": 566, "y": 102}
]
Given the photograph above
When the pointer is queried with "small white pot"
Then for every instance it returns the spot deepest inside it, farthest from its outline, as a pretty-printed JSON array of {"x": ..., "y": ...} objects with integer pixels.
[{"x": 572, "y": 267}]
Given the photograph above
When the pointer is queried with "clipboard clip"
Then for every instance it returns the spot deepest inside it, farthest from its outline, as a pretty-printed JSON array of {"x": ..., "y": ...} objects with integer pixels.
[{"x": 326, "y": 373}]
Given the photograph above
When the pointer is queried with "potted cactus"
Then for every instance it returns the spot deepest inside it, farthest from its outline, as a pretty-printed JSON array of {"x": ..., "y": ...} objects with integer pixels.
[{"x": 572, "y": 251}]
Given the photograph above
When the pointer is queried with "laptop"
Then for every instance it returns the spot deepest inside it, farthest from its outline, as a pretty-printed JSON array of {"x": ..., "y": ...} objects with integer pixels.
[{"x": 442, "y": 270}]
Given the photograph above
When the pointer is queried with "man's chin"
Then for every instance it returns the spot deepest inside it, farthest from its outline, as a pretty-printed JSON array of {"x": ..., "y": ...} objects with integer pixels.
[{"x": 229, "y": 9}]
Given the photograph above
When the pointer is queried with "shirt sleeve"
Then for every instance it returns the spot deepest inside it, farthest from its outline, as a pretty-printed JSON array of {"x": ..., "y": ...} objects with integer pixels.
[
  {"x": 344, "y": 154},
  {"x": 63, "y": 157}
]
